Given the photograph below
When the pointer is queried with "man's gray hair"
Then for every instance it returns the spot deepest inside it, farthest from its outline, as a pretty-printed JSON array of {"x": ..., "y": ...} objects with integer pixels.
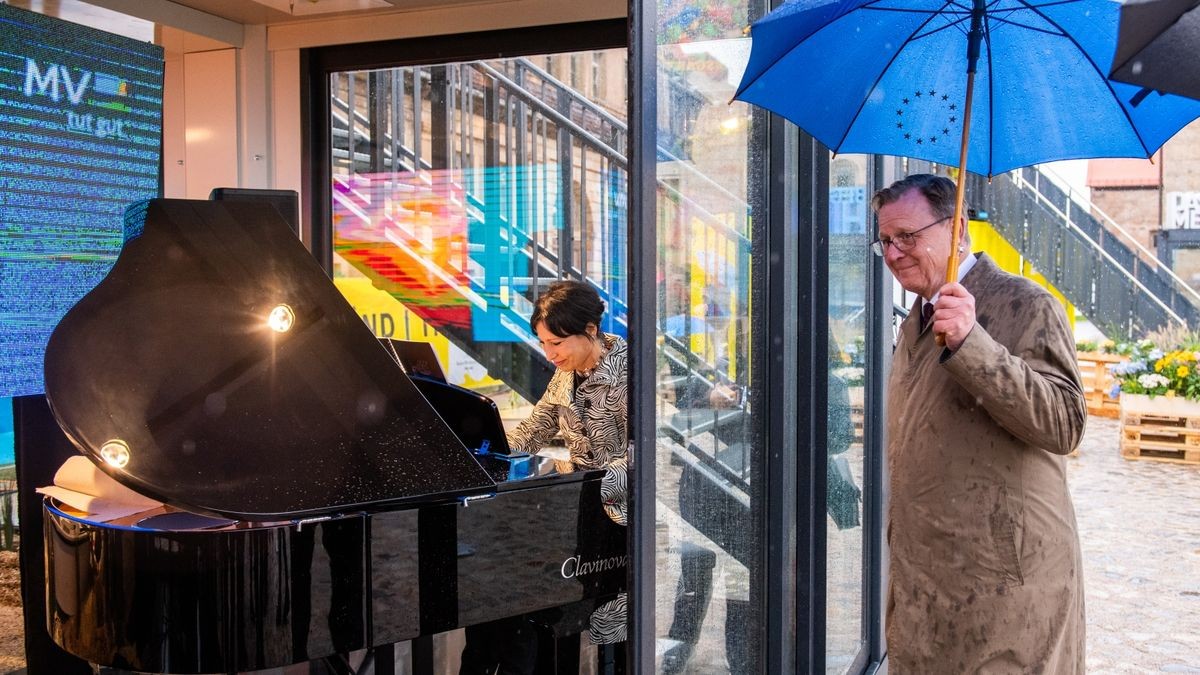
[{"x": 937, "y": 190}]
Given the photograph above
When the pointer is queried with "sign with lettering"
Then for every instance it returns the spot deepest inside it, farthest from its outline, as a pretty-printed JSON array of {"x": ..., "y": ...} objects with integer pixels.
[{"x": 1183, "y": 211}]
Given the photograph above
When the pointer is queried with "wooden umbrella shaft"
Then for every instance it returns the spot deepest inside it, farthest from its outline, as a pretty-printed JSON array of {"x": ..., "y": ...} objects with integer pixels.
[
  {"x": 960, "y": 188},
  {"x": 959, "y": 192}
]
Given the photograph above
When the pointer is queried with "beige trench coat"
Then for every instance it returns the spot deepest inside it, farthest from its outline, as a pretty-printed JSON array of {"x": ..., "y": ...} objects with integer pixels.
[{"x": 985, "y": 568}]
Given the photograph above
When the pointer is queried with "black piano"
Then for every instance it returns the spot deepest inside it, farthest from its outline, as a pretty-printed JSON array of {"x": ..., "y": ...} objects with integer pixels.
[{"x": 316, "y": 502}]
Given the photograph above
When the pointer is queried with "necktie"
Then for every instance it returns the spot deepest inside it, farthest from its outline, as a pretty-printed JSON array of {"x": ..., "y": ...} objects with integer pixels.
[{"x": 926, "y": 314}]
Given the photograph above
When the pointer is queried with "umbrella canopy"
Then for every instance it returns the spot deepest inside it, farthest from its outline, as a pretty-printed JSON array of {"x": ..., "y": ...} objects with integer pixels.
[
  {"x": 890, "y": 77},
  {"x": 1157, "y": 46}
]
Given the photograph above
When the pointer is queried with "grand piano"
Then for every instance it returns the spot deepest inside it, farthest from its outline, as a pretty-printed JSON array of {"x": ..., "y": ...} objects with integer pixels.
[{"x": 315, "y": 501}]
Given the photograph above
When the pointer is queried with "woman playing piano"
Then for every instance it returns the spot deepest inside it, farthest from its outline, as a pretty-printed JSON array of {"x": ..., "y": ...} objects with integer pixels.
[
  {"x": 585, "y": 406},
  {"x": 585, "y": 401}
]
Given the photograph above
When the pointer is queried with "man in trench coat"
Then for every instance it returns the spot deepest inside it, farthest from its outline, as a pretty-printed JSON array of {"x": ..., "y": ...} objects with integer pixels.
[{"x": 985, "y": 568}]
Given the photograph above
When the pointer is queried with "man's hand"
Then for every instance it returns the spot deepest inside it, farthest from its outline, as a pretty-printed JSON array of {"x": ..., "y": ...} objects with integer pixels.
[
  {"x": 723, "y": 396},
  {"x": 954, "y": 314}
]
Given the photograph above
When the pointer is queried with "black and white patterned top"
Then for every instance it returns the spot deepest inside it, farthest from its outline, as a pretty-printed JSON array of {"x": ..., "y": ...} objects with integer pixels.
[{"x": 592, "y": 419}]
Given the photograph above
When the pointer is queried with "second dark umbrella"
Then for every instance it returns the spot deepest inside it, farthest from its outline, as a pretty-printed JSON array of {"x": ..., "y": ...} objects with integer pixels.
[{"x": 1157, "y": 46}]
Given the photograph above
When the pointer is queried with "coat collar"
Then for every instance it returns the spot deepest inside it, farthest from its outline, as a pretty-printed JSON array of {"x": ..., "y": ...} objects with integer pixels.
[
  {"x": 561, "y": 389},
  {"x": 983, "y": 267}
]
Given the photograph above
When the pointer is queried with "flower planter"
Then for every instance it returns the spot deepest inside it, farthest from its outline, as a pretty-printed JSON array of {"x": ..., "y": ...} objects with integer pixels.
[{"x": 1162, "y": 428}]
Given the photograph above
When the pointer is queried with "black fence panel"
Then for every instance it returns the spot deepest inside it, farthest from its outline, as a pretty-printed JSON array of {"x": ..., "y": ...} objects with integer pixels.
[
  {"x": 1114, "y": 304},
  {"x": 1080, "y": 274}
]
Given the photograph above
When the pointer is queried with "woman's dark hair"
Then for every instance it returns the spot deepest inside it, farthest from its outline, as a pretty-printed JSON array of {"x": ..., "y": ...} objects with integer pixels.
[{"x": 567, "y": 307}]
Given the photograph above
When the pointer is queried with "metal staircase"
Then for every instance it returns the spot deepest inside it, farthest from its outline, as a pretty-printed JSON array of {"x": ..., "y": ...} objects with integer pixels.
[{"x": 540, "y": 172}]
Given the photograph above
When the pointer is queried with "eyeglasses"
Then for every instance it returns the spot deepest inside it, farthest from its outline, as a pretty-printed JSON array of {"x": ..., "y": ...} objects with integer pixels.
[{"x": 904, "y": 241}]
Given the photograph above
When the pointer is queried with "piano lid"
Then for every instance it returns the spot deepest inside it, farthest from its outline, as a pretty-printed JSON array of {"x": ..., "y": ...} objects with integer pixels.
[{"x": 217, "y": 368}]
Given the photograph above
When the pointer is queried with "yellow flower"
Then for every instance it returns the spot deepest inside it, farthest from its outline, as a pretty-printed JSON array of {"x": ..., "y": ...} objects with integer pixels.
[
  {"x": 1181, "y": 371},
  {"x": 1158, "y": 365}
]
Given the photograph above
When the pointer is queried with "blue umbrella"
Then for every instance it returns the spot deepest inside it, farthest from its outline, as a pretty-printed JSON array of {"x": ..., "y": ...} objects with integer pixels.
[{"x": 899, "y": 77}]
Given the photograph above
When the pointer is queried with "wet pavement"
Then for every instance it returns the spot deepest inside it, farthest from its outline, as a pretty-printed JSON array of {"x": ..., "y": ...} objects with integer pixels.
[{"x": 1139, "y": 525}]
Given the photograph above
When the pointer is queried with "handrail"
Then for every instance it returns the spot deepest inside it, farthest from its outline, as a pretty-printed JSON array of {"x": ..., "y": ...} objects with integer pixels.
[
  {"x": 545, "y": 109},
  {"x": 1021, "y": 183},
  {"x": 552, "y": 116},
  {"x": 611, "y": 119},
  {"x": 1147, "y": 254}
]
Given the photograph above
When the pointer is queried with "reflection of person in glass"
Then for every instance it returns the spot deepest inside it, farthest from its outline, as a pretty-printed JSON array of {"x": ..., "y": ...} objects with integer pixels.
[
  {"x": 585, "y": 406},
  {"x": 985, "y": 562},
  {"x": 842, "y": 493},
  {"x": 698, "y": 563}
]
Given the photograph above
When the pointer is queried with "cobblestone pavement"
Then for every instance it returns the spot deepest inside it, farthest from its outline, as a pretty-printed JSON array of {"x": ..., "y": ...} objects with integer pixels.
[{"x": 1139, "y": 525}]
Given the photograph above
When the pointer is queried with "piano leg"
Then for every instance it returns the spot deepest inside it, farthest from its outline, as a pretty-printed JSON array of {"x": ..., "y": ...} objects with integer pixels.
[
  {"x": 611, "y": 659},
  {"x": 422, "y": 655},
  {"x": 385, "y": 659},
  {"x": 558, "y": 655}
]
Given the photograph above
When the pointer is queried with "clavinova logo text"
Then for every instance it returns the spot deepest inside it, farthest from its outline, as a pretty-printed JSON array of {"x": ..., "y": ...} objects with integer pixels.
[
  {"x": 70, "y": 87},
  {"x": 576, "y": 567}
]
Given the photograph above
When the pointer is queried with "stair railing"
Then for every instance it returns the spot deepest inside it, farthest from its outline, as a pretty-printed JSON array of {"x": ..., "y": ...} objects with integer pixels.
[{"x": 1144, "y": 257}]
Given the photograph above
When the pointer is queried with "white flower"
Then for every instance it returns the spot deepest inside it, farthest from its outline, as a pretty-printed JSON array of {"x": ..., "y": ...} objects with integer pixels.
[
  {"x": 850, "y": 373},
  {"x": 1152, "y": 381}
]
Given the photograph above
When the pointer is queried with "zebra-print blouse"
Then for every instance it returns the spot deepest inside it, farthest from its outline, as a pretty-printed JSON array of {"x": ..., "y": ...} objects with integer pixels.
[{"x": 592, "y": 419}]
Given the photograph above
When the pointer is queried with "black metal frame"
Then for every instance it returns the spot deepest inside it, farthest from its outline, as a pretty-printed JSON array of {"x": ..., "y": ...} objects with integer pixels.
[
  {"x": 780, "y": 373},
  {"x": 812, "y": 280},
  {"x": 317, "y": 63},
  {"x": 878, "y": 364},
  {"x": 643, "y": 325}
]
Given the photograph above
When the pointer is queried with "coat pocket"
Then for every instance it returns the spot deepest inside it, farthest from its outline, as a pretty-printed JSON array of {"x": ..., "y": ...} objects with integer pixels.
[{"x": 1004, "y": 557}]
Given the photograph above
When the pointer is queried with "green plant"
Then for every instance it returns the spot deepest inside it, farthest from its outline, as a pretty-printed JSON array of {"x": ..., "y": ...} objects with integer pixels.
[{"x": 1154, "y": 372}]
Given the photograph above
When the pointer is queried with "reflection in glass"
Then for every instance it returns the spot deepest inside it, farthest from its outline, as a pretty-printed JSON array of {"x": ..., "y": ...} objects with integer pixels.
[
  {"x": 706, "y": 552},
  {"x": 281, "y": 319},
  {"x": 848, "y": 240},
  {"x": 461, "y": 190},
  {"x": 115, "y": 453}
]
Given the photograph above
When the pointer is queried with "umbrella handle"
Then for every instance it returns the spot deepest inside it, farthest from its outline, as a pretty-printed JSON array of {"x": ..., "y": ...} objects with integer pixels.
[{"x": 959, "y": 193}]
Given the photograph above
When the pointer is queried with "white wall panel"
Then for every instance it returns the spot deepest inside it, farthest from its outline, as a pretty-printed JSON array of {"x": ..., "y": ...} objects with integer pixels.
[{"x": 211, "y": 114}]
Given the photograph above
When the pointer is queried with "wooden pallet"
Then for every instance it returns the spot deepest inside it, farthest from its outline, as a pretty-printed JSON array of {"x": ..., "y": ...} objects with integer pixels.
[
  {"x": 1098, "y": 382},
  {"x": 1171, "y": 434}
]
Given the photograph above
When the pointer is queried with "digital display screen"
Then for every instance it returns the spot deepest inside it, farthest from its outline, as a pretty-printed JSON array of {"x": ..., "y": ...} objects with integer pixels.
[{"x": 80, "y": 139}]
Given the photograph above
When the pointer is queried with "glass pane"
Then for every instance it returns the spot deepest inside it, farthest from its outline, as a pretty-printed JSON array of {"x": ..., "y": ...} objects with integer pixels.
[
  {"x": 1185, "y": 262},
  {"x": 848, "y": 241},
  {"x": 461, "y": 191},
  {"x": 706, "y": 553}
]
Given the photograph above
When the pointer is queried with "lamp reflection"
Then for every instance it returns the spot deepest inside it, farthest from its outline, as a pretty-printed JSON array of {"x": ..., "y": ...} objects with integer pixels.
[
  {"x": 115, "y": 453},
  {"x": 281, "y": 319}
]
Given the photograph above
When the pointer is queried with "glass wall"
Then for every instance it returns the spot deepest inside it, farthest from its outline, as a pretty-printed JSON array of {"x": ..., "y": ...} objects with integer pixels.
[
  {"x": 707, "y": 550},
  {"x": 849, "y": 225},
  {"x": 460, "y": 191},
  {"x": 765, "y": 482}
]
